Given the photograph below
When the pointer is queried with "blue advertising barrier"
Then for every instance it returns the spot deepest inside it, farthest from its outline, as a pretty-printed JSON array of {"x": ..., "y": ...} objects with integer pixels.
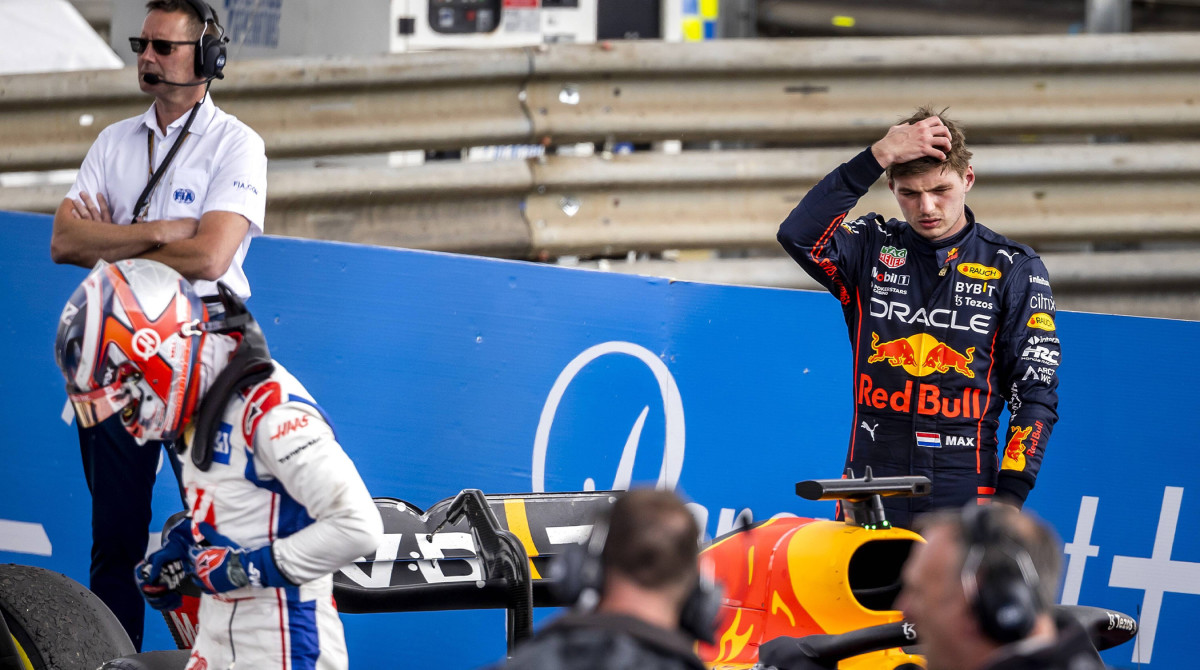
[{"x": 445, "y": 372}]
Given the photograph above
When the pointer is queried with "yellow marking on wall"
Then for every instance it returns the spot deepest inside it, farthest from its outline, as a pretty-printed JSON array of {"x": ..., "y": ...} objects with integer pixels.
[
  {"x": 750, "y": 566},
  {"x": 693, "y": 30},
  {"x": 518, "y": 523},
  {"x": 777, "y": 604},
  {"x": 843, "y": 21},
  {"x": 709, "y": 8}
]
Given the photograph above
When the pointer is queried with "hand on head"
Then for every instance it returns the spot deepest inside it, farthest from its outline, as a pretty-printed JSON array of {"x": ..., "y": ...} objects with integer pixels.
[{"x": 906, "y": 142}]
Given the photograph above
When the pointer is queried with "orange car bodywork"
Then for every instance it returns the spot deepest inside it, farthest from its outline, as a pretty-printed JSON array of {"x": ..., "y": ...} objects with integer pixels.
[{"x": 792, "y": 577}]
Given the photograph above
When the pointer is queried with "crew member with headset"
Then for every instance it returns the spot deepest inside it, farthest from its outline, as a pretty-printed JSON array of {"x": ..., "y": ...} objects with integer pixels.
[
  {"x": 980, "y": 593},
  {"x": 194, "y": 181},
  {"x": 641, "y": 601}
]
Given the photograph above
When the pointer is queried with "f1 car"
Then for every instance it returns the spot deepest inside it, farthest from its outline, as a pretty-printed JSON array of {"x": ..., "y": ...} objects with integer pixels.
[{"x": 829, "y": 584}]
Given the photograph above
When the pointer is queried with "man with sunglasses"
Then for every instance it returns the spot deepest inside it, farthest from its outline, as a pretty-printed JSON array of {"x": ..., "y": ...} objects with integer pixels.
[{"x": 193, "y": 181}]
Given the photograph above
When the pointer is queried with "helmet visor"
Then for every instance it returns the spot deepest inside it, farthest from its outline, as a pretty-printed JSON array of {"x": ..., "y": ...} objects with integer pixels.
[{"x": 95, "y": 407}]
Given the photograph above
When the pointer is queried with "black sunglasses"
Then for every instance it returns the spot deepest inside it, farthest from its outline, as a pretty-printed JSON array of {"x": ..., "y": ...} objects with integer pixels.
[{"x": 161, "y": 47}]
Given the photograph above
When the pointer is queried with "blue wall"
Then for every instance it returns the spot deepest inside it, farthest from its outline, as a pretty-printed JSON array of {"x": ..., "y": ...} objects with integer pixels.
[{"x": 438, "y": 371}]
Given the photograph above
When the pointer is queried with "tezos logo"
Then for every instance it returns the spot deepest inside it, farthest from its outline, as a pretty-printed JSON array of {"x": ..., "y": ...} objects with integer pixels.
[
  {"x": 185, "y": 196},
  {"x": 146, "y": 343}
]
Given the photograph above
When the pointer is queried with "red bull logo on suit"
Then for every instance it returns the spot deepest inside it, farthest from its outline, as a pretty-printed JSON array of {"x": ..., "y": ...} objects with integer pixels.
[{"x": 921, "y": 355}]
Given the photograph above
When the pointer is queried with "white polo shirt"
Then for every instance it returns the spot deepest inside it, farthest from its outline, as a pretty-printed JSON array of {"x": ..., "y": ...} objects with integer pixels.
[{"x": 221, "y": 166}]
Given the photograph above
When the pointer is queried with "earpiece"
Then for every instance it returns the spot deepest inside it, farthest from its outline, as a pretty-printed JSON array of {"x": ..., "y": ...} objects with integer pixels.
[
  {"x": 210, "y": 49},
  {"x": 999, "y": 578},
  {"x": 577, "y": 574},
  {"x": 577, "y": 577}
]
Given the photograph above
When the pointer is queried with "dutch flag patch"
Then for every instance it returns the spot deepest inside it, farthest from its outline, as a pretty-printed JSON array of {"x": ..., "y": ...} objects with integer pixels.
[{"x": 929, "y": 440}]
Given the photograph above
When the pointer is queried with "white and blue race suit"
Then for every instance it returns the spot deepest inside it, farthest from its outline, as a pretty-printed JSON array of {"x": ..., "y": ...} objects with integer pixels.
[{"x": 279, "y": 477}]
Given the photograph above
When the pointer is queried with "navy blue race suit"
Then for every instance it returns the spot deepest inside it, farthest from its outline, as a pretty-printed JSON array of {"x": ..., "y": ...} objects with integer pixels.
[{"x": 942, "y": 333}]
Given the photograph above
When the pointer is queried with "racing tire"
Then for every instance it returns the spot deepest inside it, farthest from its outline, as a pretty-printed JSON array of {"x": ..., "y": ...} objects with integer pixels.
[{"x": 57, "y": 623}]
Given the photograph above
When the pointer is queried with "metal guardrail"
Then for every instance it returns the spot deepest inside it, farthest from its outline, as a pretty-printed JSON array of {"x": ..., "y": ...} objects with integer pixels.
[
  {"x": 559, "y": 205},
  {"x": 798, "y": 91},
  {"x": 1009, "y": 92}
]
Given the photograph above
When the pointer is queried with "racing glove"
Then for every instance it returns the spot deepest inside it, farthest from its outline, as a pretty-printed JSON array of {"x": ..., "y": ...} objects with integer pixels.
[
  {"x": 225, "y": 566},
  {"x": 161, "y": 574}
]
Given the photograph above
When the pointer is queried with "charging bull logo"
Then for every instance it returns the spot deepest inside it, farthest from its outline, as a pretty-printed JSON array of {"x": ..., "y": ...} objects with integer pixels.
[
  {"x": 899, "y": 353},
  {"x": 942, "y": 358},
  {"x": 1014, "y": 453},
  {"x": 922, "y": 354}
]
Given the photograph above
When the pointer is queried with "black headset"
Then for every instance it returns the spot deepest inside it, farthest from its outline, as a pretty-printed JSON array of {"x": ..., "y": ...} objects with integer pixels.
[
  {"x": 210, "y": 49},
  {"x": 577, "y": 577},
  {"x": 998, "y": 577}
]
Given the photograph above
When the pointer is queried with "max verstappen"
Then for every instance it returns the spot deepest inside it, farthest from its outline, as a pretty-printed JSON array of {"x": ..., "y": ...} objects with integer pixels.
[
  {"x": 947, "y": 321},
  {"x": 275, "y": 505}
]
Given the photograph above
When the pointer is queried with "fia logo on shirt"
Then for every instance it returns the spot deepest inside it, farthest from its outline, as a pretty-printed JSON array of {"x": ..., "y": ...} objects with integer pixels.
[{"x": 185, "y": 196}]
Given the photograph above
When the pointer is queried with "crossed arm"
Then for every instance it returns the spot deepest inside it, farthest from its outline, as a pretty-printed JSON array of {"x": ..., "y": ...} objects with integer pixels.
[{"x": 198, "y": 249}]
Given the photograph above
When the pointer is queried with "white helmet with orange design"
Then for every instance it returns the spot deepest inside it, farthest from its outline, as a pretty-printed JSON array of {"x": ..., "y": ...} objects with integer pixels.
[{"x": 129, "y": 343}]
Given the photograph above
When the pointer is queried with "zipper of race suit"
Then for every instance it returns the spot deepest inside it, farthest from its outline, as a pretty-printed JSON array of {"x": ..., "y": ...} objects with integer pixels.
[{"x": 232, "y": 646}]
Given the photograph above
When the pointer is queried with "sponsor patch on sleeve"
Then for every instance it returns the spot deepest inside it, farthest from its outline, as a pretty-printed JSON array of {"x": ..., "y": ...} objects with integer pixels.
[
  {"x": 265, "y": 398},
  {"x": 1041, "y": 320},
  {"x": 222, "y": 447}
]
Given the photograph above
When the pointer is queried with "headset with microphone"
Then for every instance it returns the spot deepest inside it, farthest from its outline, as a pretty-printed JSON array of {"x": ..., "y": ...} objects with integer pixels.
[
  {"x": 210, "y": 50},
  {"x": 998, "y": 577},
  {"x": 576, "y": 577}
]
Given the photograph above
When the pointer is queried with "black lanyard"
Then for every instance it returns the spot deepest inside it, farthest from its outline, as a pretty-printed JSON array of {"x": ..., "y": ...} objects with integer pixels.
[{"x": 144, "y": 199}]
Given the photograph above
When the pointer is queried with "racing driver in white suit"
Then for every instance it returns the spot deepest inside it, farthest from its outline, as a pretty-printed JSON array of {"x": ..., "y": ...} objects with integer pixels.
[{"x": 275, "y": 504}]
